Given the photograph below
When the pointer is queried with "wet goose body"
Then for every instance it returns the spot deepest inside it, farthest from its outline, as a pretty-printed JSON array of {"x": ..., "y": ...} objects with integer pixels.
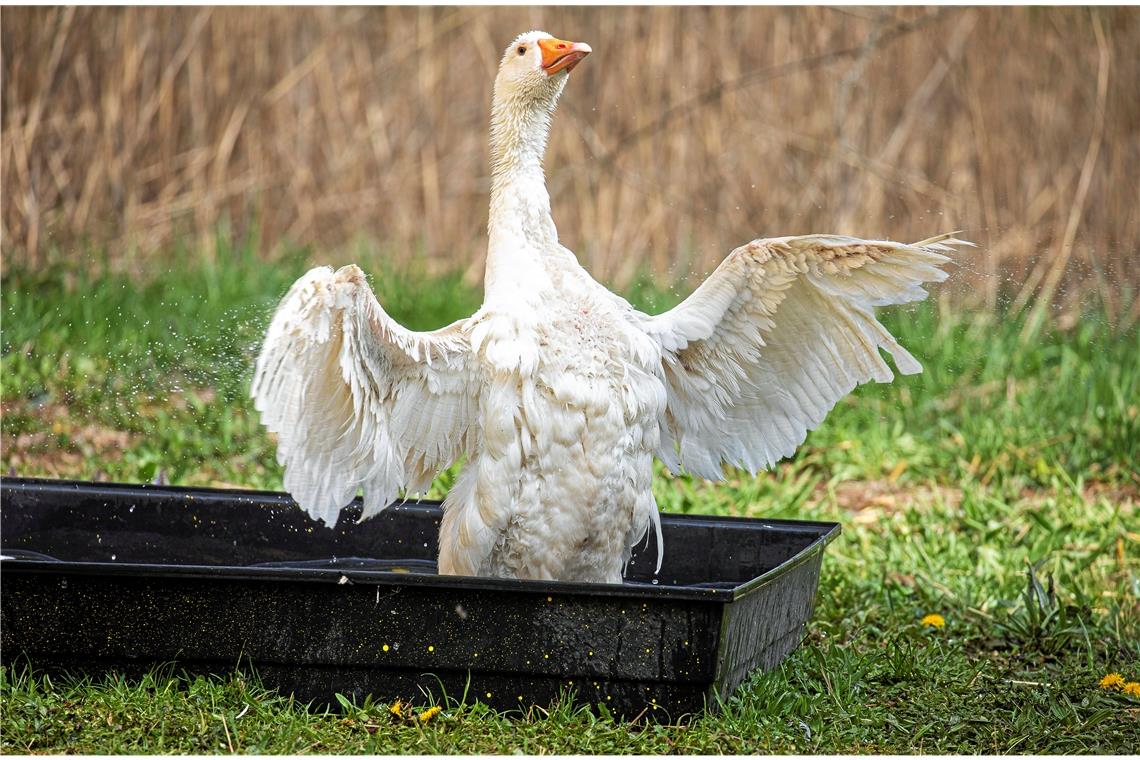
[
  {"x": 560, "y": 485},
  {"x": 558, "y": 392}
]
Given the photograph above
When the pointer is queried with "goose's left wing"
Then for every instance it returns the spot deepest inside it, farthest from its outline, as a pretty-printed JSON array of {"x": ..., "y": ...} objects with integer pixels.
[
  {"x": 356, "y": 400},
  {"x": 783, "y": 329}
]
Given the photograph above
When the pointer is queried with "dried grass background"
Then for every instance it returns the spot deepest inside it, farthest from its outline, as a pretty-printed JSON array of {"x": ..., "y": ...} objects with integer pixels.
[{"x": 689, "y": 131}]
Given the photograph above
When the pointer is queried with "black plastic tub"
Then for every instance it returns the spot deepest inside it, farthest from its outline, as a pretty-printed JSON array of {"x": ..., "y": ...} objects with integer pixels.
[{"x": 99, "y": 576}]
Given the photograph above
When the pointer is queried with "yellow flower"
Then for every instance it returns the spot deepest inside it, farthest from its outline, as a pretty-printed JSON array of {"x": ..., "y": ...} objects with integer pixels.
[
  {"x": 430, "y": 713},
  {"x": 1112, "y": 681},
  {"x": 934, "y": 621},
  {"x": 397, "y": 709},
  {"x": 1131, "y": 688}
]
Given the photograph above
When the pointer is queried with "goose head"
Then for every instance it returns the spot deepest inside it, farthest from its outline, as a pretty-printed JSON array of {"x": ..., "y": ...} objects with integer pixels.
[
  {"x": 534, "y": 70},
  {"x": 531, "y": 76}
]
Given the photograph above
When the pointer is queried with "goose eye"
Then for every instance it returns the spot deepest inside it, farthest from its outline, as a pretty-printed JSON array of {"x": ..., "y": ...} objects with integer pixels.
[{"x": 522, "y": 49}]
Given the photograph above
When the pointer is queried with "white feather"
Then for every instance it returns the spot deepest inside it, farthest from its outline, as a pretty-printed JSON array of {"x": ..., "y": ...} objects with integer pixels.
[
  {"x": 781, "y": 331},
  {"x": 352, "y": 404}
]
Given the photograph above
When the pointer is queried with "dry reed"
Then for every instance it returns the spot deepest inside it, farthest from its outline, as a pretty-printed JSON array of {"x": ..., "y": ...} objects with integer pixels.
[{"x": 689, "y": 131}]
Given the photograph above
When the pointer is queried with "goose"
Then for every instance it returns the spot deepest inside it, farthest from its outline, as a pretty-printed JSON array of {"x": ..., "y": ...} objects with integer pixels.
[{"x": 557, "y": 392}]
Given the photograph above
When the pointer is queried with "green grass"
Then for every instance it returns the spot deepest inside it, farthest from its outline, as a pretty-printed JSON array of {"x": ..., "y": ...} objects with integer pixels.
[{"x": 997, "y": 489}]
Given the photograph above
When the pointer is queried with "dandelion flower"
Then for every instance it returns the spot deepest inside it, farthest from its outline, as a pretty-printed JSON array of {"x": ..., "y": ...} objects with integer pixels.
[
  {"x": 1112, "y": 681},
  {"x": 1132, "y": 689},
  {"x": 430, "y": 713},
  {"x": 934, "y": 620},
  {"x": 397, "y": 709}
]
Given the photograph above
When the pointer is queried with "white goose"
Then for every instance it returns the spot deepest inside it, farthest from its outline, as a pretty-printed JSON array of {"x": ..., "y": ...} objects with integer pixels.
[{"x": 557, "y": 391}]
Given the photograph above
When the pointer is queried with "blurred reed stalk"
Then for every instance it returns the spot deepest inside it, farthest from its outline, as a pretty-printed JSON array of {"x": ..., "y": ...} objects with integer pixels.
[{"x": 689, "y": 131}]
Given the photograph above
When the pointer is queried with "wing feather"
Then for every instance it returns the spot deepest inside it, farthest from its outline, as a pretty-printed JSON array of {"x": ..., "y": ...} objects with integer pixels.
[
  {"x": 356, "y": 400},
  {"x": 784, "y": 328}
]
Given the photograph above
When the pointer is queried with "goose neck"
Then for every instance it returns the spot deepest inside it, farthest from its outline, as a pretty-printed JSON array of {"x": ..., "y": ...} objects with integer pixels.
[{"x": 520, "y": 204}]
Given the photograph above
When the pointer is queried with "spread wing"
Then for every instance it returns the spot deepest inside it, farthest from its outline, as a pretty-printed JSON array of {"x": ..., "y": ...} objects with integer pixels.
[
  {"x": 783, "y": 329},
  {"x": 356, "y": 400}
]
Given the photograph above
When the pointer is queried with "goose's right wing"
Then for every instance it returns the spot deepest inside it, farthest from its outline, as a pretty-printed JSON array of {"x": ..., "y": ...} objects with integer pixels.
[{"x": 356, "y": 400}]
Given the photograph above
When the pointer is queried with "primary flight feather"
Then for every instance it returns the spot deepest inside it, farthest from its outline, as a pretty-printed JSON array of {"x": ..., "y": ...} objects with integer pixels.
[{"x": 557, "y": 391}]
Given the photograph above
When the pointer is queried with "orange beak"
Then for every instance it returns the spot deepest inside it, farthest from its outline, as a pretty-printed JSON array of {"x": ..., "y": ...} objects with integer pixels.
[{"x": 560, "y": 55}]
